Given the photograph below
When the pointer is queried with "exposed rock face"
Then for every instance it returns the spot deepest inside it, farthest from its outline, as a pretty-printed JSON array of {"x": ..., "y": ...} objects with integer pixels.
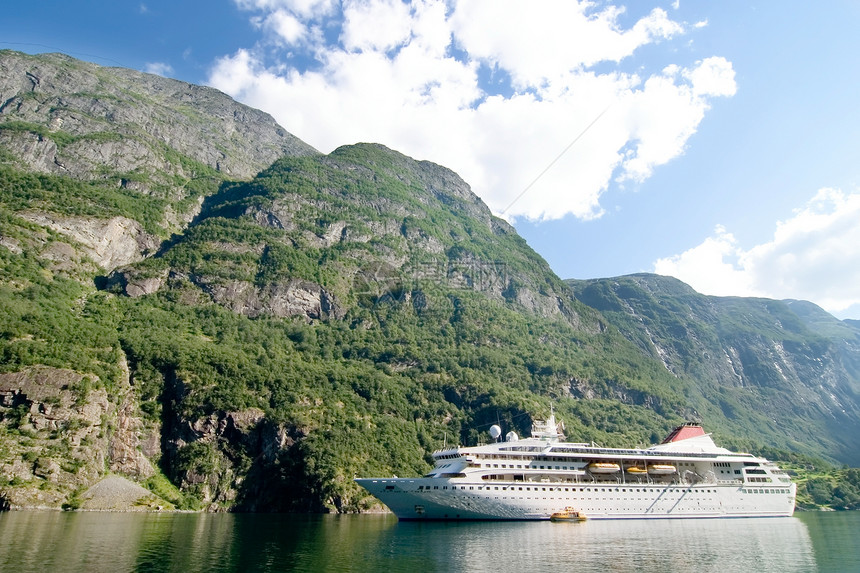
[
  {"x": 64, "y": 423},
  {"x": 110, "y": 243},
  {"x": 71, "y": 431},
  {"x": 126, "y": 447},
  {"x": 94, "y": 119},
  {"x": 293, "y": 298},
  {"x": 131, "y": 131},
  {"x": 753, "y": 353},
  {"x": 206, "y": 454}
]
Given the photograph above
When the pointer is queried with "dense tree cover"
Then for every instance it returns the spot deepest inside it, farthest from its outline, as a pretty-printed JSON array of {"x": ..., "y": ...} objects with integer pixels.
[
  {"x": 50, "y": 319},
  {"x": 375, "y": 392},
  {"x": 829, "y": 488},
  {"x": 450, "y": 324}
]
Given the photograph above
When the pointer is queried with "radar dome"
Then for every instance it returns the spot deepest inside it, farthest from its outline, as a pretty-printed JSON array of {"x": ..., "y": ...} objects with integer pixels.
[
  {"x": 511, "y": 437},
  {"x": 495, "y": 431}
]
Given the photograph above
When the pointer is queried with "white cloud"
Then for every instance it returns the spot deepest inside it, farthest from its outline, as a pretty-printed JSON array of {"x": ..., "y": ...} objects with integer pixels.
[
  {"x": 375, "y": 25},
  {"x": 496, "y": 90},
  {"x": 538, "y": 43},
  {"x": 286, "y": 26},
  {"x": 158, "y": 68},
  {"x": 815, "y": 255}
]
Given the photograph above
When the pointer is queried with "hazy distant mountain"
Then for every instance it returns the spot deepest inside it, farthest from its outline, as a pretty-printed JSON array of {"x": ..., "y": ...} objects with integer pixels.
[
  {"x": 194, "y": 299},
  {"x": 783, "y": 365}
]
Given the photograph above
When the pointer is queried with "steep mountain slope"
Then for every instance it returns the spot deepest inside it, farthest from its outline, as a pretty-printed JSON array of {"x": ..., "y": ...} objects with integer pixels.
[
  {"x": 146, "y": 149},
  {"x": 415, "y": 314},
  {"x": 363, "y": 223},
  {"x": 783, "y": 366},
  {"x": 337, "y": 314},
  {"x": 252, "y": 342}
]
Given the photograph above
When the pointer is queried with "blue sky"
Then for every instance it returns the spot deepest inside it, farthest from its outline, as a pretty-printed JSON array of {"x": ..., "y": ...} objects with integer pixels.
[{"x": 711, "y": 141}]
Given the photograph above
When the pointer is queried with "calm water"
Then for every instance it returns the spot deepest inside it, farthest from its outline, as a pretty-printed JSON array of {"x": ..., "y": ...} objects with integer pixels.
[{"x": 55, "y": 542}]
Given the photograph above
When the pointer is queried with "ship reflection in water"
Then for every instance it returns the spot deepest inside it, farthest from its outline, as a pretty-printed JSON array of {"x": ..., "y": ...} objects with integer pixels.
[{"x": 752, "y": 544}]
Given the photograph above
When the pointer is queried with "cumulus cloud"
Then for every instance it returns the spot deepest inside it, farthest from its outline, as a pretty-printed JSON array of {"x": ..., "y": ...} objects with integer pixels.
[
  {"x": 814, "y": 255},
  {"x": 158, "y": 68},
  {"x": 505, "y": 93},
  {"x": 286, "y": 26}
]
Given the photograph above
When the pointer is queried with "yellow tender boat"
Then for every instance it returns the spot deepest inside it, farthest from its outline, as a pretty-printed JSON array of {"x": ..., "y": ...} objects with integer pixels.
[{"x": 567, "y": 514}]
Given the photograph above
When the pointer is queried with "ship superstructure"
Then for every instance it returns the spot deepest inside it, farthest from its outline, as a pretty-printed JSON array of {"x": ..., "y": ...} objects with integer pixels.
[{"x": 685, "y": 476}]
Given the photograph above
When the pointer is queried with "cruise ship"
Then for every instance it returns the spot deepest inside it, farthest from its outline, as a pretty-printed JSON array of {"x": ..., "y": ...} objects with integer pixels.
[{"x": 685, "y": 476}]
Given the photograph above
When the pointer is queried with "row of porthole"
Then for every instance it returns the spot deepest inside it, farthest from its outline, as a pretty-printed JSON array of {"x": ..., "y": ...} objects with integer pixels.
[{"x": 582, "y": 489}]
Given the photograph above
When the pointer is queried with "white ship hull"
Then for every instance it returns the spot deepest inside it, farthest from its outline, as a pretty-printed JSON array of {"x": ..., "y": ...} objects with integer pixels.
[
  {"x": 686, "y": 476},
  {"x": 515, "y": 501}
]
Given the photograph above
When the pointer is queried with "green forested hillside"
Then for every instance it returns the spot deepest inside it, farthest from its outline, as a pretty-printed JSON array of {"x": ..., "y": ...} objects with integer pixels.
[
  {"x": 253, "y": 342},
  {"x": 764, "y": 366},
  {"x": 404, "y": 365},
  {"x": 438, "y": 325}
]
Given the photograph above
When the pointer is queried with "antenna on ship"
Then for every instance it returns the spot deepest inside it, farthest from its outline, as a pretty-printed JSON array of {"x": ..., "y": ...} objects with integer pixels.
[{"x": 495, "y": 431}]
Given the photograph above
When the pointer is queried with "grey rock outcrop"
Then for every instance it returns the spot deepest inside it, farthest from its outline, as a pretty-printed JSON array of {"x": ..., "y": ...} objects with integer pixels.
[
  {"x": 66, "y": 116},
  {"x": 109, "y": 243}
]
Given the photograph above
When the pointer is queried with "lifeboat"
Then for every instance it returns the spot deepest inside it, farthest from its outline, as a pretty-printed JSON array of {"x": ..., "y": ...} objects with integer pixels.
[
  {"x": 636, "y": 470},
  {"x": 603, "y": 467},
  {"x": 661, "y": 469},
  {"x": 568, "y": 514}
]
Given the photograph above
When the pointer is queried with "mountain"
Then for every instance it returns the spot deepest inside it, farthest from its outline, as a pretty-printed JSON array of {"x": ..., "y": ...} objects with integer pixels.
[
  {"x": 787, "y": 366},
  {"x": 149, "y": 148},
  {"x": 193, "y": 299}
]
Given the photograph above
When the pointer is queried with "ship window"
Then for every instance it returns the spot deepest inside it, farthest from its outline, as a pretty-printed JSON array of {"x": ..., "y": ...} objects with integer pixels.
[{"x": 435, "y": 487}]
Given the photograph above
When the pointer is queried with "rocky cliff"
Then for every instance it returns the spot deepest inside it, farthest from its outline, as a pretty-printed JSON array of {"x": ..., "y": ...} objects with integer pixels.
[
  {"x": 138, "y": 133},
  {"x": 194, "y": 300},
  {"x": 790, "y": 362}
]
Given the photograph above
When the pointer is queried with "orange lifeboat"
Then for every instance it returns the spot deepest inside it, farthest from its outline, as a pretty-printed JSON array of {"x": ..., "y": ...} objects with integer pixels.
[
  {"x": 603, "y": 467},
  {"x": 661, "y": 469}
]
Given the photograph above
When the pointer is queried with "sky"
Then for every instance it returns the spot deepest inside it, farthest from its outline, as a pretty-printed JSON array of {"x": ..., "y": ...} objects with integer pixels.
[{"x": 716, "y": 142}]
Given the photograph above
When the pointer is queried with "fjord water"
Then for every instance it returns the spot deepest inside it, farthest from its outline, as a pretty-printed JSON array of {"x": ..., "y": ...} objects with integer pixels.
[{"x": 41, "y": 541}]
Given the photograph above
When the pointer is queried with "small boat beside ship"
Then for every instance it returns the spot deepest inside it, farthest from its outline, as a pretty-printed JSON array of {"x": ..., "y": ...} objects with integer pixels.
[
  {"x": 685, "y": 476},
  {"x": 568, "y": 514}
]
